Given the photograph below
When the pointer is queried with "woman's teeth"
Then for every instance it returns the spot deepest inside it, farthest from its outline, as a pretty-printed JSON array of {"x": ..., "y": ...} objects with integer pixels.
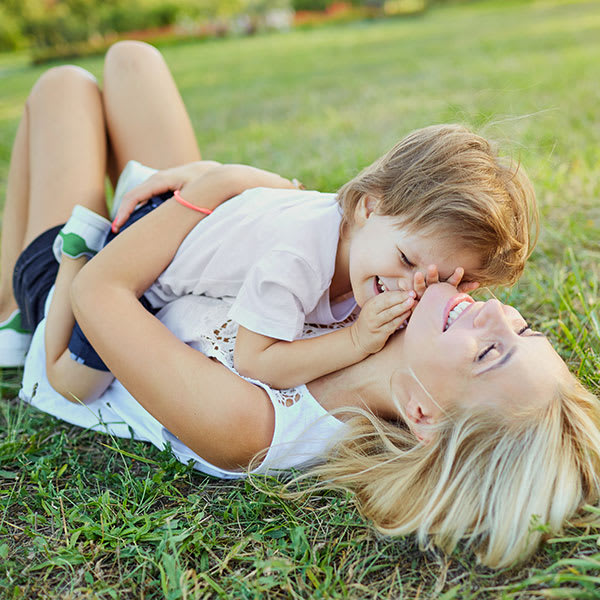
[
  {"x": 380, "y": 286},
  {"x": 456, "y": 312}
]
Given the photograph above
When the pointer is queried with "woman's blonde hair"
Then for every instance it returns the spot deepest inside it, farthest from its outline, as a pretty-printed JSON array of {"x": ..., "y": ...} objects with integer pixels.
[
  {"x": 495, "y": 481},
  {"x": 447, "y": 180}
]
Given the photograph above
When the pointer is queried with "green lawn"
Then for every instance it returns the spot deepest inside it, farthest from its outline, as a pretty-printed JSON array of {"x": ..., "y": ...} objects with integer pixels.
[{"x": 84, "y": 516}]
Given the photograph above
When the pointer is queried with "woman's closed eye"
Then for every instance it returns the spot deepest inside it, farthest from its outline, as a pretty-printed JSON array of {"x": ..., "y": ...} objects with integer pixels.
[
  {"x": 486, "y": 351},
  {"x": 493, "y": 346}
]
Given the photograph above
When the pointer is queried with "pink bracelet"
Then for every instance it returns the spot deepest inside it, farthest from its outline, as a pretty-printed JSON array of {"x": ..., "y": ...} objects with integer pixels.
[{"x": 187, "y": 204}]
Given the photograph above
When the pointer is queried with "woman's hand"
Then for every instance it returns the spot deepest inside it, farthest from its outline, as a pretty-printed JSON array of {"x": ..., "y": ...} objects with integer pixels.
[
  {"x": 162, "y": 181},
  {"x": 231, "y": 180}
]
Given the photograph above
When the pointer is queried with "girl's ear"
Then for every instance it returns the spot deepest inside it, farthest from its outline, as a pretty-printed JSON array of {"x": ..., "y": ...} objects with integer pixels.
[{"x": 365, "y": 207}]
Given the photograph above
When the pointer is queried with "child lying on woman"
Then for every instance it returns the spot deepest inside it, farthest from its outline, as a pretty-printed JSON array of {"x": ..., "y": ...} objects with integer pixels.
[{"x": 439, "y": 205}]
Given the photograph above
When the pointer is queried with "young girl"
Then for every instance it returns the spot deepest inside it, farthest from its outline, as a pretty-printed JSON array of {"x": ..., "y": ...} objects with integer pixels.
[{"x": 439, "y": 201}]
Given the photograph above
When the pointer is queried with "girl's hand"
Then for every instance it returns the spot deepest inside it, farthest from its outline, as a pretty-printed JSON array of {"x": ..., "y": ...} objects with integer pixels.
[
  {"x": 381, "y": 316},
  {"x": 162, "y": 181},
  {"x": 421, "y": 282}
]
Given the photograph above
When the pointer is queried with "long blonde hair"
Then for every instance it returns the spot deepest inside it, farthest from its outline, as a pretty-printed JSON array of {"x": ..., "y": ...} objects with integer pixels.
[
  {"x": 447, "y": 179},
  {"x": 494, "y": 481}
]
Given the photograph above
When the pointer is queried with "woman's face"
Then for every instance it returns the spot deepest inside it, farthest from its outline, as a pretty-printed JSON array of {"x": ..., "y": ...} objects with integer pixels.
[{"x": 469, "y": 352}]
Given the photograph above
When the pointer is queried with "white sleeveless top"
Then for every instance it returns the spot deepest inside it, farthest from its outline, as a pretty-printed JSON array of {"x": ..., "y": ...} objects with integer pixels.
[{"x": 304, "y": 430}]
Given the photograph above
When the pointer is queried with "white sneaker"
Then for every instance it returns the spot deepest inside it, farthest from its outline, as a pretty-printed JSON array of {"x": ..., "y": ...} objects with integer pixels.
[
  {"x": 83, "y": 234},
  {"x": 133, "y": 174},
  {"x": 14, "y": 341}
]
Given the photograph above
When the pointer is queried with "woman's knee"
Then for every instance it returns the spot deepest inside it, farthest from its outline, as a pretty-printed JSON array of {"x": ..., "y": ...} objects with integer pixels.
[
  {"x": 130, "y": 57},
  {"x": 66, "y": 80}
]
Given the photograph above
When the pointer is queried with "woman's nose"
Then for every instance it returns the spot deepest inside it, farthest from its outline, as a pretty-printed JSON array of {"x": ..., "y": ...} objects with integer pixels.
[{"x": 491, "y": 314}]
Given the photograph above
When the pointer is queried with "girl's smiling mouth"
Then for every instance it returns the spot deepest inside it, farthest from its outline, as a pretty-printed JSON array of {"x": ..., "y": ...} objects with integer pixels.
[{"x": 379, "y": 285}]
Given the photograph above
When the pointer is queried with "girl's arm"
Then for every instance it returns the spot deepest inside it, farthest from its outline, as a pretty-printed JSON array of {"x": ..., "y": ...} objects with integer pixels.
[
  {"x": 221, "y": 417},
  {"x": 288, "y": 364}
]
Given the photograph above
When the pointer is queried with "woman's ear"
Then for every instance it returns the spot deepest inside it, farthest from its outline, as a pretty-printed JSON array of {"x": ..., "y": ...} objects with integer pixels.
[
  {"x": 364, "y": 208},
  {"x": 419, "y": 421}
]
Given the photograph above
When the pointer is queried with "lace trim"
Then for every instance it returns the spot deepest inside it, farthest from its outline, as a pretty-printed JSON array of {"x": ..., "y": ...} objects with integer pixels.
[{"x": 220, "y": 344}]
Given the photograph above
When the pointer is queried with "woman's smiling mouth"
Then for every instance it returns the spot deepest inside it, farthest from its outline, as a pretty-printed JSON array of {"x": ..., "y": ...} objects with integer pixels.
[{"x": 455, "y": 308}]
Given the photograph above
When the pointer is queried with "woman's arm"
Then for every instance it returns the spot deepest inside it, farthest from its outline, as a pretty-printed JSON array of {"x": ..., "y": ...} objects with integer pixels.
[
  {"x": 217, "y": 414},
  {"x": 179, "y": 178}
]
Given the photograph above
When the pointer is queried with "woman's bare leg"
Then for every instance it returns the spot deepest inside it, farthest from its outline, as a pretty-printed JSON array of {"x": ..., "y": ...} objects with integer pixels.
[
  {"x": 145, "y": 115},
  {"x": 65, "y": 159},
  {"x": 14, "y": 218},
  {"x": 146, "y": 121}
]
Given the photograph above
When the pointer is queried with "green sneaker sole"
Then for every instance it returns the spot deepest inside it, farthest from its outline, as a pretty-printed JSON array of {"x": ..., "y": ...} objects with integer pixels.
[{"x": 74, "y": 245}]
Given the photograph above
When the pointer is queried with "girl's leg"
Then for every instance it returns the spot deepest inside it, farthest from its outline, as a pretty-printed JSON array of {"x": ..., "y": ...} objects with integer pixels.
[
  {"x": 65, "y": 160},
  {"x": 146, "y": 119}
]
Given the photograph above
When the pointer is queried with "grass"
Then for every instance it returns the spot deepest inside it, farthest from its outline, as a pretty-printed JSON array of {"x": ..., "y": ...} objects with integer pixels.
[{"x": 86, "y": 516}]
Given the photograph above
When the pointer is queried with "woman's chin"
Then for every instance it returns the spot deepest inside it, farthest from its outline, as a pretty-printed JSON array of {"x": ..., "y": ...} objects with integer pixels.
[
  {"x": 429, "y": 311},
  {"x": 442, "y": 289}
]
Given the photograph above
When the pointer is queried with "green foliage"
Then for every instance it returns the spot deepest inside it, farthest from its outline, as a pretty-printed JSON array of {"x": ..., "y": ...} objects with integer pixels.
[
  {"x": 311, "y": 4},
  {"x": 11, "y": 36}
]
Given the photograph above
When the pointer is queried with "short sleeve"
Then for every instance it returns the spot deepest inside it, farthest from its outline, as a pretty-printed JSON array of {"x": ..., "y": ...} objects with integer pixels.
[{"x": 279, "y": 290}]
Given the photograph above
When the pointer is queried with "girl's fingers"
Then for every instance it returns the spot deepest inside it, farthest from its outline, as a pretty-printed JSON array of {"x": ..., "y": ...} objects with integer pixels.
[
  {"x": 399, "y": 321},
  {"x": 456, "y": 277},
  {"x": 390, "y": 314},
  {"x": 419, "y": 284},
  {"x": 432, "y": 275},
  {"x": 468, "y": 286}
]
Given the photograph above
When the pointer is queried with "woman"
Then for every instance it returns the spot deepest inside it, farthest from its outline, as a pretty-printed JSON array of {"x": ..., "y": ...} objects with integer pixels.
[{"x": 488, "y": 444}]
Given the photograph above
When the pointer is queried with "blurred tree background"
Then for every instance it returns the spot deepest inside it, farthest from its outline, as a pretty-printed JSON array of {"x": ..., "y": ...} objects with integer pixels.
[{"x": 65, "y": 28}]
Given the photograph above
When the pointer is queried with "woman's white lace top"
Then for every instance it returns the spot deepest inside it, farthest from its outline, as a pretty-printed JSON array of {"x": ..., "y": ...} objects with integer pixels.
[{"x": 303, "y": 428}]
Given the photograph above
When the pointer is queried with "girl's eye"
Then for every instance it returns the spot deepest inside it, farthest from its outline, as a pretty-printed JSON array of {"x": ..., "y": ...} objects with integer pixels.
[
  {"x": 523, "y": 329},
  {"x": 405, "y": 260},
  {"x": 488, "y": 349}
]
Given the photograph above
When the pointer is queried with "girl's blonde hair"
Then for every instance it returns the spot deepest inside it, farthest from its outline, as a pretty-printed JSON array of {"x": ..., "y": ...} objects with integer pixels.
[
  {"x": 447, "y": 180},
  {"x": 496, "y": 481}
]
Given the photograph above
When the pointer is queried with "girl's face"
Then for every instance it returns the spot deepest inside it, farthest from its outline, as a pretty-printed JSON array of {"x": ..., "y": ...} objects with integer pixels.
[
  {"x": 383, "y": 256},
  {"x": 469, "y": 352}
]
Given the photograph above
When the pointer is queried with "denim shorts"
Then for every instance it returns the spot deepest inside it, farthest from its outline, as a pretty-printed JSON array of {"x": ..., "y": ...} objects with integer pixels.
[
  {"x": 80, "y": 348},
  {"x": 33, "y": 276},
  {"x": 35, "y": 273}
]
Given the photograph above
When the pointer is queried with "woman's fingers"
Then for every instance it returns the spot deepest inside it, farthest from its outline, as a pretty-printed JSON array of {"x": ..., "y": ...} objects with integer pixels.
[
  {"x": 156, "y": 184},
  {"x": 163, "y": 181}
]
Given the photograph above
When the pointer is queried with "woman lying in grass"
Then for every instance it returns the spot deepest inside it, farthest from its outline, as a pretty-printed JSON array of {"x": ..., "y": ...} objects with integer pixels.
[{"x": 463, "y": 426}]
